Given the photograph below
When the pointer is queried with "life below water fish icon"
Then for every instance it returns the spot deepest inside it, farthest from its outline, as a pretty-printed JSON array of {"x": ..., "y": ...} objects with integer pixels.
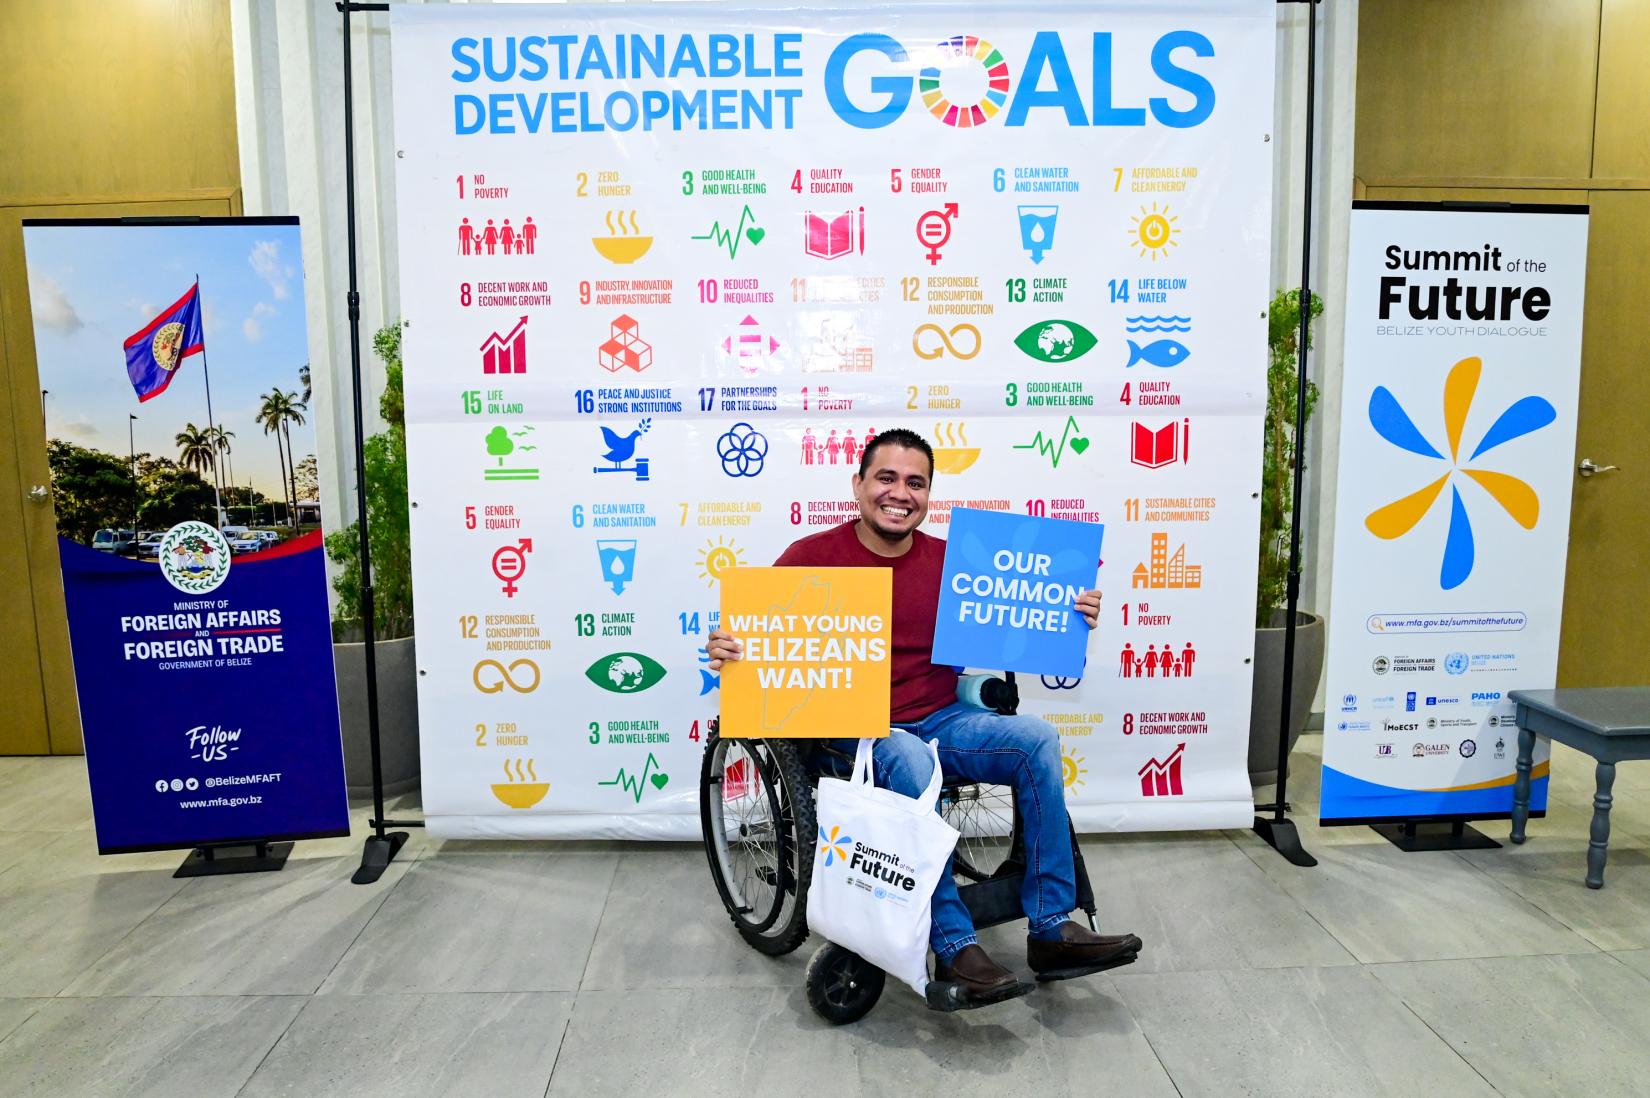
[{"x": 1164, "y": 352}]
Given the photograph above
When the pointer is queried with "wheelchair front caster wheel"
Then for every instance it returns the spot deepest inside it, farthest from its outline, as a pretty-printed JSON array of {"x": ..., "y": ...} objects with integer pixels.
[{"x": 842, "y": 985}]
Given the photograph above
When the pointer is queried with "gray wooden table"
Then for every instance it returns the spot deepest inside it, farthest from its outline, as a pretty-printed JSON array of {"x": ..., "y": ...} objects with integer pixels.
[{"x": 1612, "y": 724}]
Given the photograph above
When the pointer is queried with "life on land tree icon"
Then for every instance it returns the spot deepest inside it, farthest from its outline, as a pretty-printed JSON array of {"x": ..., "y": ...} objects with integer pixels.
[{"x": 499, "y": 444}]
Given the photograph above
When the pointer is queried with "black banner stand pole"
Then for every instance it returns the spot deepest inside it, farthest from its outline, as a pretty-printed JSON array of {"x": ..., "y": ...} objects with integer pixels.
[
  {"x": 381, "y": 845},
  {"x": 1279, "y": 830}
]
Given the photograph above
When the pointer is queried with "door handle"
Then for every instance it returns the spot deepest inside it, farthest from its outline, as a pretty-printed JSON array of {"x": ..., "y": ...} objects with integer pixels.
[
  {"x": 1587, "y": 468},
  {"x": 40, "y": 493}
]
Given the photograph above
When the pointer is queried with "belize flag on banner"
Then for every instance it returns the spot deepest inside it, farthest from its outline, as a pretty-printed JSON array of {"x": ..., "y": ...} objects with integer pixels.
[{"x": 154, "y": 352}]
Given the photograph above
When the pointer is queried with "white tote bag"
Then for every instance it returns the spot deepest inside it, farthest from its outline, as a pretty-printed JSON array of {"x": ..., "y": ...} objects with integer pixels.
[{"x": 879, "y": 856}]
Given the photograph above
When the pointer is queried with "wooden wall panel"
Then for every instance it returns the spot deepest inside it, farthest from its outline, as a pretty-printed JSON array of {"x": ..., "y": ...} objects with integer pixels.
[
  {"x": 1621, "y": 146},
  {"x": 1484, "y": 88}
]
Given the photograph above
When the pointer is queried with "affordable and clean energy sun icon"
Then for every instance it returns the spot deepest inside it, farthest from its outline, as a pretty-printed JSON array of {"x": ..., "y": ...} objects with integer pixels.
[
  {"x": 1516, "y": 496},
  {"x": 717, "y": 557},
  {"x": 1072, "y": 769},
  {"x": 1154, "y": 231}
]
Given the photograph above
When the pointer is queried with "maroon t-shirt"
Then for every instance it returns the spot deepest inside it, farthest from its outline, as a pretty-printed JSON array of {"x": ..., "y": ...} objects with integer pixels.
[{"x": 918, "y": 686}]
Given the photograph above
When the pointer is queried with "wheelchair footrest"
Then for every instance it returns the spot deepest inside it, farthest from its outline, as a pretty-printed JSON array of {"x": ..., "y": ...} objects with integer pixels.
[
  {"x": 944, "y": 996},
  {"x": 1086, "y": 970}
]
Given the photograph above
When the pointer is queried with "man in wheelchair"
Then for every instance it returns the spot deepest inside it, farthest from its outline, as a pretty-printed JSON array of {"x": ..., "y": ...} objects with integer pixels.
[{"x": 892, "y": 486}]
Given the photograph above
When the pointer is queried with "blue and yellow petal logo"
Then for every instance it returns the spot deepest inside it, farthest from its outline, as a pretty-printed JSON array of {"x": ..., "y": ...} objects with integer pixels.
[
  {"x": 834, "y": 845},
  {"x": 1515, "y": 496}
]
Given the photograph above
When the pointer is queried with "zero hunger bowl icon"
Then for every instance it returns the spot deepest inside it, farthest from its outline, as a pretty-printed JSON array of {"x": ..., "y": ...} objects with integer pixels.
[{"x": 624, "y": 242}]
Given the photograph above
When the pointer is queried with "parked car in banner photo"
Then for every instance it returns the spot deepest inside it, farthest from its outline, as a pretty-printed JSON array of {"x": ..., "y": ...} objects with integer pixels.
[
  {"x": 148, "y": 546},
  {"x": 119, "y": 542}
]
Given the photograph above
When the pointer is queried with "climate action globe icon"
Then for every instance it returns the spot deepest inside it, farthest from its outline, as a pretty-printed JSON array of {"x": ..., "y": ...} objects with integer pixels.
[
  {"x": 743, "y": 451},
  {"x": 1056, "y": 341},
  {"x": 626, "y": 673}
]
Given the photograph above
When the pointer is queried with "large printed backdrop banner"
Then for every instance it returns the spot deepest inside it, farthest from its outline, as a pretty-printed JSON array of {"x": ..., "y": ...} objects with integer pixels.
[
  {"x": 666, "y": 269},
  {"x": 1463, "y": 360}
]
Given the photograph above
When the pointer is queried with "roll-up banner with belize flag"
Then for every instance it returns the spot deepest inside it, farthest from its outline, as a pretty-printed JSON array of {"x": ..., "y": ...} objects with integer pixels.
[{"x": 188, "y": 519}]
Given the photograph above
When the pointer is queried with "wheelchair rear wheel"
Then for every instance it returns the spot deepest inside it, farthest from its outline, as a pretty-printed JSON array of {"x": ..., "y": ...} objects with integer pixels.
[
  {"x": 985, "y": 818},
  {"x": 756, "y": 809}
]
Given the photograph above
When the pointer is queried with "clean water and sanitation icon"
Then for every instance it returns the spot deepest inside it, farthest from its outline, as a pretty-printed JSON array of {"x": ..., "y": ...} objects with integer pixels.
[
  {"x": 618, "y": 557},
  {"x": 1037, "y": 229}
]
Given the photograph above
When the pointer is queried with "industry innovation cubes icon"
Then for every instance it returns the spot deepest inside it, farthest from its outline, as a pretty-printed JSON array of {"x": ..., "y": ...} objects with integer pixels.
[
  {"x": 1516, "y": 496},
  {"x": 624, "y": 349}
]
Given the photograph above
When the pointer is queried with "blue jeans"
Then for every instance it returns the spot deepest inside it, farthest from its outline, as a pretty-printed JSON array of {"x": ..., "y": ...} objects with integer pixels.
[{"x": 981, "y": 746}]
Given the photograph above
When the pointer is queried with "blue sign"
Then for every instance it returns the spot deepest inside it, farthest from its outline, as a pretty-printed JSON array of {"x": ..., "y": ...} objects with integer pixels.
[
  {"x": 207, "y": 694},
  {"x": 1007, "y": 592}
]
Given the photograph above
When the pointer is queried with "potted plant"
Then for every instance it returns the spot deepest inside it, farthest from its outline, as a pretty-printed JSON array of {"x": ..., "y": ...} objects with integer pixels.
[
  {"x": 391, "y": 546},
  {"x": 1276, "y": 501}
]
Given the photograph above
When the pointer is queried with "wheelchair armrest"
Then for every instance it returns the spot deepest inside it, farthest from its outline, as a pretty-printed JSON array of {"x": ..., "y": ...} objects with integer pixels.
[{"x": 998, "y": 694}]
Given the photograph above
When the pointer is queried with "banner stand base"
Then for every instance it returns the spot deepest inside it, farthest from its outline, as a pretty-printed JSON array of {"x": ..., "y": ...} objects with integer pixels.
[
  {"x": 376, "y": 856},
  {"x": 1281, "y": 836},
  {"x": 1411, "y": 838},
  {"x": 211, "y": 861}
]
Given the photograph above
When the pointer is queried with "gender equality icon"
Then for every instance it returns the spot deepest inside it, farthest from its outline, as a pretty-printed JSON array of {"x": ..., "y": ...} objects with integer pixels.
[
  {"x": 510, "y": 564},
  {"x": 622, "y": 448},
  {"x": 934, "y": 230}
]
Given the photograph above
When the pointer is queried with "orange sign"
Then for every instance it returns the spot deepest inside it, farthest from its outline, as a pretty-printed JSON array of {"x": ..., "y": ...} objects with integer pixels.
[{"x": 815, "y": 659}]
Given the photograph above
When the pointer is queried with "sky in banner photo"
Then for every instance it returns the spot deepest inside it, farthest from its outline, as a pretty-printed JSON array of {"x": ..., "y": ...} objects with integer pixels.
[{"x": 93, "y": 286}]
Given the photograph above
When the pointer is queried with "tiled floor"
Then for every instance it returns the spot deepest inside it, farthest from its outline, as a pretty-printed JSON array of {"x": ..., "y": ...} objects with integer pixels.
[{"x": 609, "y": 968}]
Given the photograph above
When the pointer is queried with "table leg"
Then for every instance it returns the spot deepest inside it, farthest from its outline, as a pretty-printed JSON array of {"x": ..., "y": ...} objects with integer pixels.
[
  {"x": 1606, "y": 777},
  {"x": 1521, "y": 784}
]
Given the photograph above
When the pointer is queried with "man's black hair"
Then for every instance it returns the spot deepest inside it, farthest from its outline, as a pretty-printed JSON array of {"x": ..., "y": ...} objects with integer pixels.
[{"x": 897, "y": 436}]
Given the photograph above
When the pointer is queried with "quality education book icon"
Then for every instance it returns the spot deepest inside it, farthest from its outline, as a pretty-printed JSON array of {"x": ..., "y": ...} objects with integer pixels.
[
  {"x": 1163, "y": 446},
  {"x": 834, "y": 237}
]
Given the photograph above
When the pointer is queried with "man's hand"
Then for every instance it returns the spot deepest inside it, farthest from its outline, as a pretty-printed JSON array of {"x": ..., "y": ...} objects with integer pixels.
[
  {"x": 722, "y": 648},
  {"x": 1087, "y": 604}
]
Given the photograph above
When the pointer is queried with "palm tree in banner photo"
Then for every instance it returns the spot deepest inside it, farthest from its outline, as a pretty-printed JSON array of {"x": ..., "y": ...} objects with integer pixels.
[
  {"x": 197, "y": 449},
  {"x": 271, "y": 415},
  {"x": 303, "y": 379},
  {"x": 220, "y": 440},
  {"x": 293, "y": 413}
]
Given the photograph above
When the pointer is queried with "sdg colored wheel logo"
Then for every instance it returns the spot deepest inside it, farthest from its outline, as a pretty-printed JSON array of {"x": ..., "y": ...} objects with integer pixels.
[{"x": 743, "y": 450}]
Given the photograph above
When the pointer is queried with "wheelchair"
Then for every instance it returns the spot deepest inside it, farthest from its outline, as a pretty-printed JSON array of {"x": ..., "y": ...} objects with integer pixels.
[{"x": 756, "y": 809}]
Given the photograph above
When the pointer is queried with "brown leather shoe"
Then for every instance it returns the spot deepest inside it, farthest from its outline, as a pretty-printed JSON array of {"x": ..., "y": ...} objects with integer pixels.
[
  {"x": 975, "y": 972},
  {"x": 1079, "y": 947}
]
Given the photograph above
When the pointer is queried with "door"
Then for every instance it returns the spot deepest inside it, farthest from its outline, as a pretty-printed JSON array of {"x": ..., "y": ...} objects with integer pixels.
[{"x": 36, "y": 670}]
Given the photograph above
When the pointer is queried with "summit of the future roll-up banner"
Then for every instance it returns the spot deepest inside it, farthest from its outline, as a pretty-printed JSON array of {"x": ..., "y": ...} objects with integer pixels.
[
  {"x": 667, "y": 269},
  {"x": 1452, "y": 520}
]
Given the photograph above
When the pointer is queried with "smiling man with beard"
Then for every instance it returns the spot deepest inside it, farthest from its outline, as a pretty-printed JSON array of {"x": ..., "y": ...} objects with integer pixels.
[{"x": 895, "y": 474}]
